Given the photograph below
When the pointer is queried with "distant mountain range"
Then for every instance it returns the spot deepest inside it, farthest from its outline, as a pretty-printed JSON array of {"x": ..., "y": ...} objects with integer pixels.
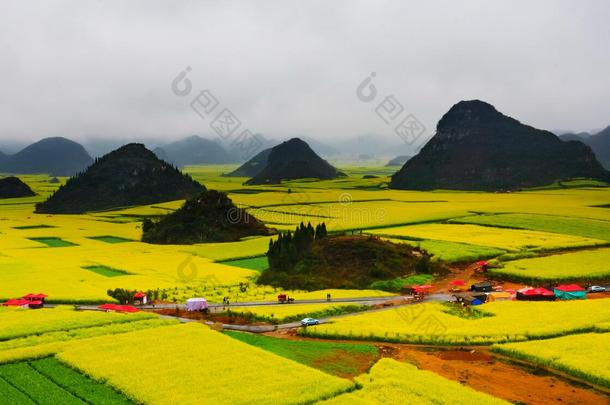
[
  {"x": 478, "y": 148},
  {"x": 293, "y": 159},
  {"x": 194, "y": 150},
  {"x": 599, "y": 142},
  {"x": 398, "y": 160},
  {"x": 130, "y": 175},
  {"x": 55, "y": 156},
  {"x": 253, "y": 166}
]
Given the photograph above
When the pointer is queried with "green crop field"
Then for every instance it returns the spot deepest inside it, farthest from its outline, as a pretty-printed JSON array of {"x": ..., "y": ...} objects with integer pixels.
[
  {"x": 254, "y": 263},
  {"x": 342, "y": 359},
  {"x": 47, "y": 381}
]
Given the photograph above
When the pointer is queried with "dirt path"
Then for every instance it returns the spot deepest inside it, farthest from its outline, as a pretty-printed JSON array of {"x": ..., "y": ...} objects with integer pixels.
[{"x": 483, "y": 371}]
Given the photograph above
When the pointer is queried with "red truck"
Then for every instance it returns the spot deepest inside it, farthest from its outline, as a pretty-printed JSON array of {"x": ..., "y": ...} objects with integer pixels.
[{"x": 284, "y": 299}]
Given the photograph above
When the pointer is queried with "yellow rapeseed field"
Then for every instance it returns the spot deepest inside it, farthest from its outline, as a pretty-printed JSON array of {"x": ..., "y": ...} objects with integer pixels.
[
  {"x": 588, "y": 264},
  {"x": 391, "y": 382},
  {"x": 19, "y": 322},
  {"x": 581, "y": 355},
  {"x": 510, "y": 239},
  {"x": 27, "y": 265},
  {"x": 510, "y": 321},
  {"x": 191, "y": 363}
]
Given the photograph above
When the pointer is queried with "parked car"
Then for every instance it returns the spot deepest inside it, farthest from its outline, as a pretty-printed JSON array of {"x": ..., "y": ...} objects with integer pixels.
[
  {"x": 309, "y": 322},
  {"x": 597, "y": 288}
]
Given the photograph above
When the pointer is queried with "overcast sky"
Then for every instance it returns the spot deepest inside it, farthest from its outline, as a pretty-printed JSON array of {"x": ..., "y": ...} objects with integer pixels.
[{"x": 87, "y": 68}]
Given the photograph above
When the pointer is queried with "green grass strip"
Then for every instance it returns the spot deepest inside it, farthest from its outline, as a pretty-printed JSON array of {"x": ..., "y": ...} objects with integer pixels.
[
  {"x": 106, "y": 270},
  {"x": 53, "y": 242},
  {"x": 78, "y": 384},
  {"x": 40, "y": 389},
  {"x": 11, "y": 395},
  {"x": 259, "y": 263},
  {"x": 331, "y": 357},
  {"x": 110, "y": 239}
]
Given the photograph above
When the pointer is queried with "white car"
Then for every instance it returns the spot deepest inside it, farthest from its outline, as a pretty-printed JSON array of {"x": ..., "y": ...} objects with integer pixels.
[
  {"x": 597, "y": 288},
  {"x": 309, "y": 322}
]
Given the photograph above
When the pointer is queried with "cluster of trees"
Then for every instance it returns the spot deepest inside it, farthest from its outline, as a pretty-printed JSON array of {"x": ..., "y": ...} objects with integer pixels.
[
  {"x": 125, "y": 296},
  {"x": 290, "y": 248}
]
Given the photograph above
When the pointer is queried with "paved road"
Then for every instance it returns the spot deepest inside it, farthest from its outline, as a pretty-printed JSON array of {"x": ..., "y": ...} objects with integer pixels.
[
  {"x": 357, "y": 300},
  {"x": 268, "y": 328}
]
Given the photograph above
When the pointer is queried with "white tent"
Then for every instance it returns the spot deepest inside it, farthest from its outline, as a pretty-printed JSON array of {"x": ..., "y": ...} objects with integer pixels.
[{"x": 196, "y": 304}]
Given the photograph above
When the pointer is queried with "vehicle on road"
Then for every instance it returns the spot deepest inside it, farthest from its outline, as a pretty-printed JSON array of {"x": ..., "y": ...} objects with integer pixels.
[
  {"x": 284, "y": 299},
  {"x": 309, "y": 322},
  {"x": 597, "y": 288}
]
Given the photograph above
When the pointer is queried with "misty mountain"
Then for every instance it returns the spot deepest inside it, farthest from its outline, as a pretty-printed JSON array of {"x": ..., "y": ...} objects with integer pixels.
[
  {"x": 55, "y": 156},
  {"x": 381, "y": 146},
  {"x": 600, "y": 143},
  {"x": 478, "y": 148},
  {"x": 99, "y": 146},
  {"x": 399, "y": 160},
  {"x": 294, "y": 159},
  {"x": 570, "y": 136},
  {"x": 253, "y": 166},
  {"x": 321, "y": 148},
  {"x": 194, "y": 150},
  {"x": 130, "y": 175}
]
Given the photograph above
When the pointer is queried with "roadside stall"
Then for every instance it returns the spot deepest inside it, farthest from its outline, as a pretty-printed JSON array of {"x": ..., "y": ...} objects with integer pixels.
[
  {"x": 570, "y": 292},
  {"x": 484, "y": 286},
  {"x": 196, "y": 304},
  {"x": 535, "y": 294}
]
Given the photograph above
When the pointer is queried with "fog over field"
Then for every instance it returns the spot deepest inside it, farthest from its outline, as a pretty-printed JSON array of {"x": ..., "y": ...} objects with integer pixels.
[{"x": 83, "y": 70}]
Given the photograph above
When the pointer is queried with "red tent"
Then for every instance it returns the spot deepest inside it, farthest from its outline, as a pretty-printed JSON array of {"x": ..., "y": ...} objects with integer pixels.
[
  {"x": 538, "y": 291},
  {"x": 569, "y": 288},
  {"x": 118, "y": 308},
  {"x": 36, "y": 297},
  {"x": 535, "y": 294},
  {"x": 457, "y": 283},
  {"x": 16, "y": 302},
  {"x": 139, "y": 295},
  {"x": 34, "y": 304},
  {"x": 126, "y": 308}
]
